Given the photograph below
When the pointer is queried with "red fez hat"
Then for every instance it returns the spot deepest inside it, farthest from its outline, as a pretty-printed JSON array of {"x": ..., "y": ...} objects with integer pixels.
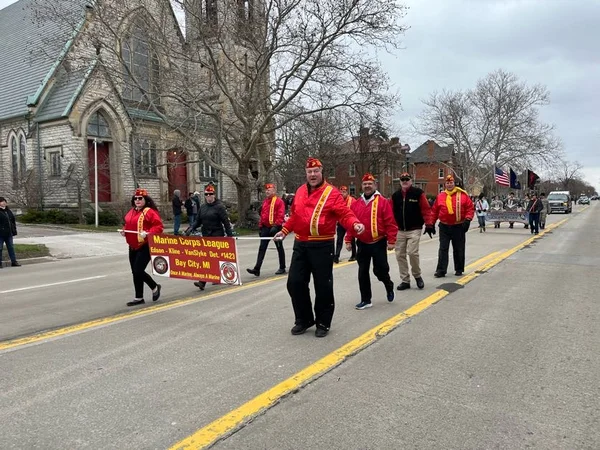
[
  {"x": 368, "y": 177},
  {"x": 405, "y": 175},
  {"x": 450, "y": 178},
  {"x": 269, "y": 186},
  {"x": 141, "y": 192},
  {"x": 313, "y": 162},
  {"x": 343, "y": 188},
  {"x": 209, "y": 188}
]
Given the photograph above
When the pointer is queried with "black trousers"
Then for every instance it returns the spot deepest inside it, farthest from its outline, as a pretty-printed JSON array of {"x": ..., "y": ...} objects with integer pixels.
[
  {"x": 264, "y": 244},
  {"x": 534, "y": 222},
  {"x": 455, "y": 234},
  {"x": 316, "y": 259},
  {"x": 138, "y": 260},
  {"x": 341, "y": 232},
  {"x": 381, "y": 269}
]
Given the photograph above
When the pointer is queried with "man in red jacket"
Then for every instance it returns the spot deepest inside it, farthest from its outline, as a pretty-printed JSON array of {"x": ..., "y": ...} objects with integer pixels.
[
  {"x": 272, "y": 213},
  {"x": 317, "y": 207},
  {"x": 375, "y": 211},
  {"x": 455, "y": 210}
]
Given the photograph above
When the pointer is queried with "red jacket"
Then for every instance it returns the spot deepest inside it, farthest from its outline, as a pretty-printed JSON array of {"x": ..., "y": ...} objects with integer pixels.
[
  {"x": 377, "y": 217},
  {"x": 272, "y": 212},
  {"x": 461, "y": 210},
  {"x": 313, "y": 215},
  {"x": 150, "y": 223}
]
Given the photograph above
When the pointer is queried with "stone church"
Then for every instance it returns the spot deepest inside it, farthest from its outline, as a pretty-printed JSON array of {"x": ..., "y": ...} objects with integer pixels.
[{"x": 66, "y": 122}]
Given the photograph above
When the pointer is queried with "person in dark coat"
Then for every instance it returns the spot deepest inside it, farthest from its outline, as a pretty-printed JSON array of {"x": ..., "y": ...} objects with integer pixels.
[
  {"x": 8, "y": 229},
  {"x": 177, "y": 204},
  {"x": 534, "y": 208},
  {"x": 212, "y": 220}
]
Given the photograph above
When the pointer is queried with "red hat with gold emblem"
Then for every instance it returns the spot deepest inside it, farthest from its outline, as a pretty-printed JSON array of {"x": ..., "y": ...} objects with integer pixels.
[
  {"x": 368, "y": 177},
  {"x": 141, "y": 192},
  {"x": 450, "y": 178},
  {"x": 269, "y": 186},
  {"x": 313, "y": 162},
  {"x": 209, "y": 189},
  {"x": 343, "y": 188}
]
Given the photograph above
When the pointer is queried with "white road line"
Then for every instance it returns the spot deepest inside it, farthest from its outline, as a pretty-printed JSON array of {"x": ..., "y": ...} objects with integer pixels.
[{"x": 52, "y": 284}]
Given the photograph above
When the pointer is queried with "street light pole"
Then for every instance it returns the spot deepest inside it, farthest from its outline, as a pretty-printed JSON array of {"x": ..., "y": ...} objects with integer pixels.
[{"x": 96, "y": 181}]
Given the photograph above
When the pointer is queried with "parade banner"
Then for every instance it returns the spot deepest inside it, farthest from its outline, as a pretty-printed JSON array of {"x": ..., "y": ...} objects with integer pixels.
[
  {"x": 212, "y": 259},
  {"x": 507, "y": 216}
]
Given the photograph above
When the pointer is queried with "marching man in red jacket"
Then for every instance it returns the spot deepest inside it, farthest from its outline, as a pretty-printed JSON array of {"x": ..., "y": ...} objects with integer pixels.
[
  {"x": 272, "y": 213},
  {"x": 375, "y": 211},
  {"x": 317, "y": 207},
  {"x": 455, "y": 210}
]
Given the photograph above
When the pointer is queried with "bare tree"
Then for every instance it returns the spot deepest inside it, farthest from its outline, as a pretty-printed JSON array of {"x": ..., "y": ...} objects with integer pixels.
[
  {"x": 244, "y": 71},
  {"x": 496, "y": 123},
  {"x": 568, "y": 172}
]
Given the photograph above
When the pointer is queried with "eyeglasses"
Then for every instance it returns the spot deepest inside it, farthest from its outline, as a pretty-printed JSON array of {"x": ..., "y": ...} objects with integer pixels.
[
  {"x": 404, "y": 179},
  {"x": 207, "y": 194},
  {"x": 138, "y": 198}
]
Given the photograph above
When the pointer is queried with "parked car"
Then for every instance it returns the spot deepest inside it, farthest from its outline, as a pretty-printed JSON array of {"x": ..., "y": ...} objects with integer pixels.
[{"x": 584, "y": 200}]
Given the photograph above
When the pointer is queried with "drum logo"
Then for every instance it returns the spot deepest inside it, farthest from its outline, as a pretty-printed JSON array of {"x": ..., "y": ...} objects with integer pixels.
[{"x": 229, "y": 274}]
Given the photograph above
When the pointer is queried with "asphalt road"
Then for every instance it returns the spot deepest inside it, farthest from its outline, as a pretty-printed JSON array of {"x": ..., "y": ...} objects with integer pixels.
[{"x": 510, "y": 361}]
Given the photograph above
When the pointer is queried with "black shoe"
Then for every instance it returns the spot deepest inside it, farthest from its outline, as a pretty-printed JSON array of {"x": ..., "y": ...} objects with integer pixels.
[
  {"x": 255, "y": 272},
  {"x": 200, "y": 284},
  {"x": 280, "y": 272},
  {"x": 439, "y": 275},
  {"x": 300, "y": 329},
  {"x": 352, "y": 258},
  {"x": 420, "y": 283},
  {"x": 15, "y": 264},
  {"x": 458, "y": 273},
  {"x": 156, "y": 295},
  {"x": 336, "y": 260},
  {"x": 321, "y": 331},
  {"x": 136, "y": 302},
  {"x": 403, "y": 286}
]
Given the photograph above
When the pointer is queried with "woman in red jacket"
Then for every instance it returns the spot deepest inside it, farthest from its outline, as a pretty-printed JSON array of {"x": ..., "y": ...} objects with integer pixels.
[{"x": 141, "y": 220}]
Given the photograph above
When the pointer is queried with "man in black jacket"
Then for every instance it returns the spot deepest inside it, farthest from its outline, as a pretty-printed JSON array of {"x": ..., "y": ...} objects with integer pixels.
[
  {"x": 534, "y": 208},
  {"x": 8, "y": 229},
  {"x": 411, "y": 211},
  {"x": 177, "y": 204}
]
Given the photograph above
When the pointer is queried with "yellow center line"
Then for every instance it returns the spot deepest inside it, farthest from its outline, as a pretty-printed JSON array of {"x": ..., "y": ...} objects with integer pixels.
[{"x": 223, "y": 426}]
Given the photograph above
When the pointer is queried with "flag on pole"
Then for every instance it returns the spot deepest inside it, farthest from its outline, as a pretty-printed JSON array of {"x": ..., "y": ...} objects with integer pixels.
[
  {"x": 532, "y": 177},
  {"x": 514, "y": 182},
  {"x": 501, "y": 177}
]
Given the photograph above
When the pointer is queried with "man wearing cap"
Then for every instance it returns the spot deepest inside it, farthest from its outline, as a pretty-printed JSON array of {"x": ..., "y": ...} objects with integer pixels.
[
  {"x": 317, "y": 207},
  {"x": 341, "y": 231},
  {"x": 411, "y": 211},
  {"x": 379, "y": 236},
  {"x": 272, "y": 213},
  {"x": 454, "y": 209}
]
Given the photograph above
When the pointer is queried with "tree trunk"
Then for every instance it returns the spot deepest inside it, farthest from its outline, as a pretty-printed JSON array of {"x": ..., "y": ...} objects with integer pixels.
[{"x": 243, "y": 195}]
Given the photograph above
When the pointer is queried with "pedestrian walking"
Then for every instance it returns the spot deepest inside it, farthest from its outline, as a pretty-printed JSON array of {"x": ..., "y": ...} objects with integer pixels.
[
  {"x": 411, "y": 211},
  {"x": 212, "y": 220},
  {"x": 534, "y": 208},
  {"x": 524, "y": 204},
  {"x": 272, "y": 213},
  {"x": 8, "y": 230},
  {"x": 177, "y": 204},
  {"x": 511, "y": 204},
  {"x": 496, "y": 205},
  {"x": 191, "y": 208},
  {"x": 545, "y": 211},
  {"x": 481, "y": 208},
  {"x": 379, "y": 236},
  {"x": 317, "y": 207},
  {"x": 455, "y": 210},
  {"x": 141, "y": 220},
  {"x": 341, "y": 231}
]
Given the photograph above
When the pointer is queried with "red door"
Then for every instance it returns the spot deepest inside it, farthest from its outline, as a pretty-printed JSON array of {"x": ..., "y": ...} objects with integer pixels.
[
  {"x": 177, "y": 172},
  {"x": 103, "y": 171}
]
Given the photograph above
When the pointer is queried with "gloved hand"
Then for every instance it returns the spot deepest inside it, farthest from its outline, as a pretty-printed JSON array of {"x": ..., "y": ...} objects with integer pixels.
[
  {"x": 430, "y": 230},
  {"x": 466, "y": 225},
  {"x": 274, "y": 230},
  {"x": 143, "y": 234}
]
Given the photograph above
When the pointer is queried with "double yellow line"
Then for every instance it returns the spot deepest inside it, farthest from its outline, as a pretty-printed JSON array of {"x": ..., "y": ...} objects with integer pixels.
[{"x": 228, "y": 423}]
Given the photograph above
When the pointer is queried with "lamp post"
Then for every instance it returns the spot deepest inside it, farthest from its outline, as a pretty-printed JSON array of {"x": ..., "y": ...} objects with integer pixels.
[{"x": 96, "y": 181}]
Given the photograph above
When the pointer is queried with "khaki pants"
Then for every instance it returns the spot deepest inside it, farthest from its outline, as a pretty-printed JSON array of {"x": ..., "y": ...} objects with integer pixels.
[{"x": 407, "y": 243}]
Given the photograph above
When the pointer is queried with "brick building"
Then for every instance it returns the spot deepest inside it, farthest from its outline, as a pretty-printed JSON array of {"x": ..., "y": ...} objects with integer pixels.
[{"x": 429, "y": 164}]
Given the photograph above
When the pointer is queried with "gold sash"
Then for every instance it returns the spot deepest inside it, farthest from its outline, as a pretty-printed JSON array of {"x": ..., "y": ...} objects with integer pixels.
[
  {"x": 314, "y": 220},
  {"x": 272, "y": 210},
  {"x": 140, "y": 224},
  {"x": 374, "y": 231}
]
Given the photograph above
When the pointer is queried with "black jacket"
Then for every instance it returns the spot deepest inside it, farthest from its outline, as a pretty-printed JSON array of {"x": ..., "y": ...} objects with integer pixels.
[
  {"x": 213, "y": 220},
  {"x": 408, "y": 213},
  {"x": 177, "y": 204},
  {"x": 8, "y": 224},
  {"x": 535, "y": 206}
]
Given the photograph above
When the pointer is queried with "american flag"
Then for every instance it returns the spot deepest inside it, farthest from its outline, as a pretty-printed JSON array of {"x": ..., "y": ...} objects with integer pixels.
[{"x": 502, "y": 177}]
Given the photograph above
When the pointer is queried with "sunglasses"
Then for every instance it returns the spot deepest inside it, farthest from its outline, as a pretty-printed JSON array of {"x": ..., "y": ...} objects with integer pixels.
[
  {"x": 138, "y": 198},
  {"x": 404, "y": 179},
  {"x": 207, "y": 194}
]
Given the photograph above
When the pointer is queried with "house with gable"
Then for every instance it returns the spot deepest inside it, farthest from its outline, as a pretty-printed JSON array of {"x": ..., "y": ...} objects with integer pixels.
[{"x": 429, "y": 164}]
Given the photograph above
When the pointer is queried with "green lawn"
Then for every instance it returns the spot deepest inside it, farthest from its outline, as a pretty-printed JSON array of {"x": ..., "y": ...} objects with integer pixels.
[
  {"x": 25, "y": 251},
  {"x": 100, "y": 229}
]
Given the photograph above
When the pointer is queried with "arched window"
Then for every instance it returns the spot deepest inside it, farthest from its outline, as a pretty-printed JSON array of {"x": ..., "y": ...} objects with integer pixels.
[
  {"x": 141, "y": 71},
  {"x": 98, "y": 126},
  {"x": 22, "y": 156},
  {"x": 15, "y": 161}
]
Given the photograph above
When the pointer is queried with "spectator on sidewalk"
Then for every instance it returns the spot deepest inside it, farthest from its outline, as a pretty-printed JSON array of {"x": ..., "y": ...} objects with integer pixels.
[
  {"x": 177, "y": 204},
  {"x": 545, "y": 211},
  {"x": 8, "y": 229},
  {"x": 191, "y": 208}
]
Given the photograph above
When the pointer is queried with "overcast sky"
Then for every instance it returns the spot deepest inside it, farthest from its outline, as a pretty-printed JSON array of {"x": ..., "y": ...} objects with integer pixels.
[{"x": 452, "y": 43}]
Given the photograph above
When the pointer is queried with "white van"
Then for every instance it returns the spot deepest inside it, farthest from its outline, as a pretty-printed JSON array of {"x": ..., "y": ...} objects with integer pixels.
[{"x": 560, "y": 201}]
